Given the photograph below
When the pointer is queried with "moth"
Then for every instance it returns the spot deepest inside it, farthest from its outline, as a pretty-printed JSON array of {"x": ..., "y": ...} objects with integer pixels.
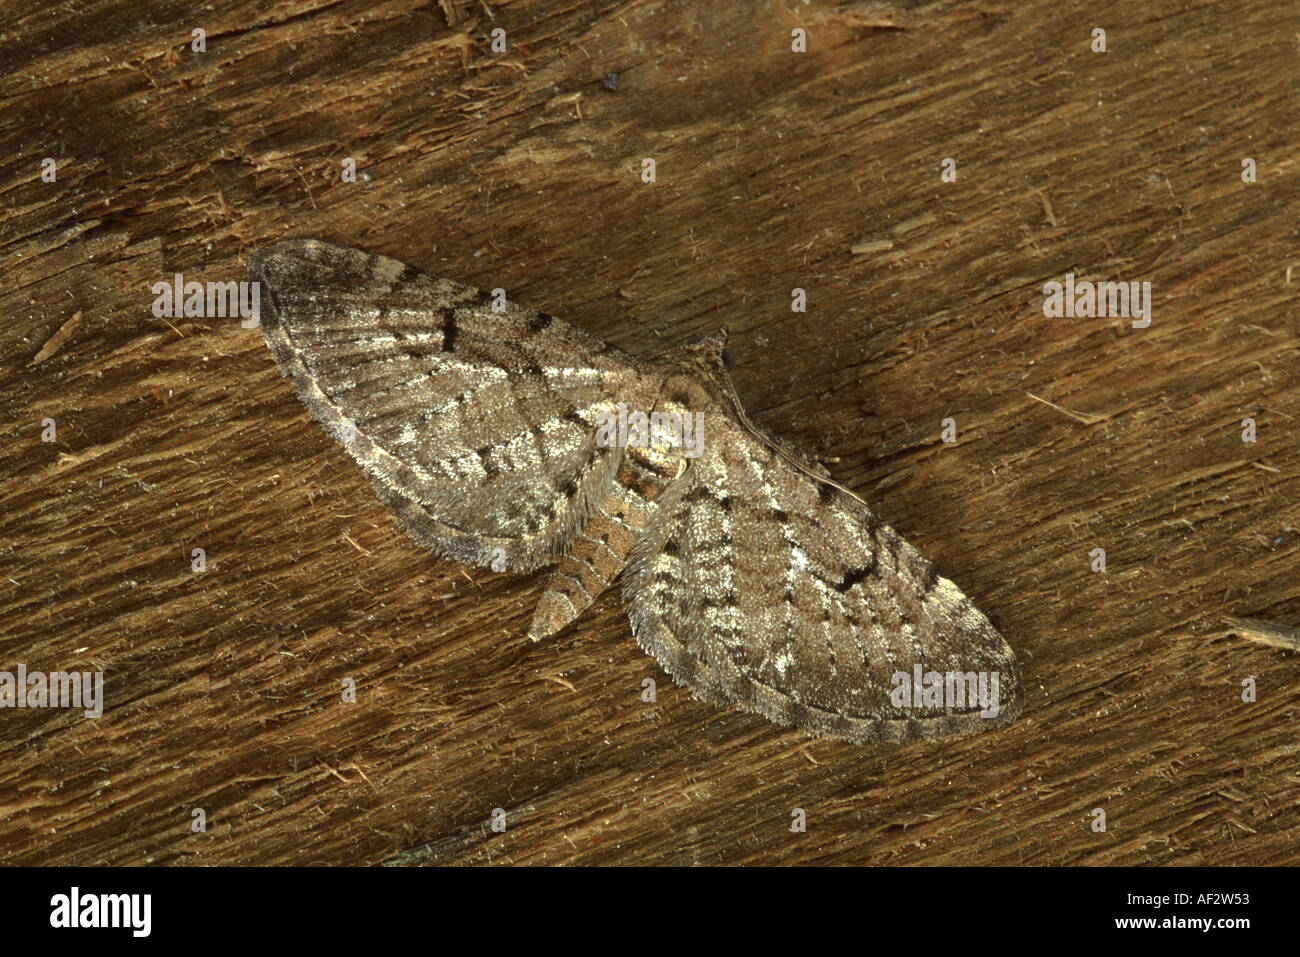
[{"x": 504, "y": 437}]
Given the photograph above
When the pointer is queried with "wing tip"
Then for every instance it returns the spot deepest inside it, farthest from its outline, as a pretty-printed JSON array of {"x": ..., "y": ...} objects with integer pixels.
[
  {"x": 283, "y": 249},
  {"x": 273, "y": 265},
  {"x": 783, "y": 710},
  {"x": 885, "y": 728}
]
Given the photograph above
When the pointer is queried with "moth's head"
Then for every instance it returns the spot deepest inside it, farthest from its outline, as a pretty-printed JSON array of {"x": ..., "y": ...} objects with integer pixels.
[
  {"x": 695, "y": 388},
  {"x": 712, "y": 350}
]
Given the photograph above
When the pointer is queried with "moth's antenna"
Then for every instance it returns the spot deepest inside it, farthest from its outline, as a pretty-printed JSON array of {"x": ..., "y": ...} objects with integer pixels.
[
  {"x": 825, "y": 480},
  {"x": 756, "y": 433}
]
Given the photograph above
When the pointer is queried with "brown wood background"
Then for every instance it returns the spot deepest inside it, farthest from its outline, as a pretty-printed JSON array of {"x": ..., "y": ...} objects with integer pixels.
[{"x": 521, "y": 170}]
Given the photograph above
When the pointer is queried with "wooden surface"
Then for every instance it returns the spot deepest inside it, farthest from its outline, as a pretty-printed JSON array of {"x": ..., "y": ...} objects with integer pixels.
[{"x": 522, "y": 170}]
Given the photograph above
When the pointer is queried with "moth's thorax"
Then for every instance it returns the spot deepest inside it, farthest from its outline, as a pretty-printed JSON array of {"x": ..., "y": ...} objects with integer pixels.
[
  {"x": 697, "y": 377},
  {"x": 695, "y": 384}
]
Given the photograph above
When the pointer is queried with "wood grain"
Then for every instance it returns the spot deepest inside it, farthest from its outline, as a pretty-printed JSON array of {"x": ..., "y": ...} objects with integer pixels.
[{"x": 522, "y": 170}]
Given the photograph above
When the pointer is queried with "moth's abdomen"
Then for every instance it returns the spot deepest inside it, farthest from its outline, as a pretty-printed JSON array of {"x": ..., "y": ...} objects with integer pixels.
[{"x": 600, "y": 549}]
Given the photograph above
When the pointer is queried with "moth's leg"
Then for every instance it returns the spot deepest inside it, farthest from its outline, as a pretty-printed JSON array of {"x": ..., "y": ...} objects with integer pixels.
[{"x": 600, "y": 549}]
